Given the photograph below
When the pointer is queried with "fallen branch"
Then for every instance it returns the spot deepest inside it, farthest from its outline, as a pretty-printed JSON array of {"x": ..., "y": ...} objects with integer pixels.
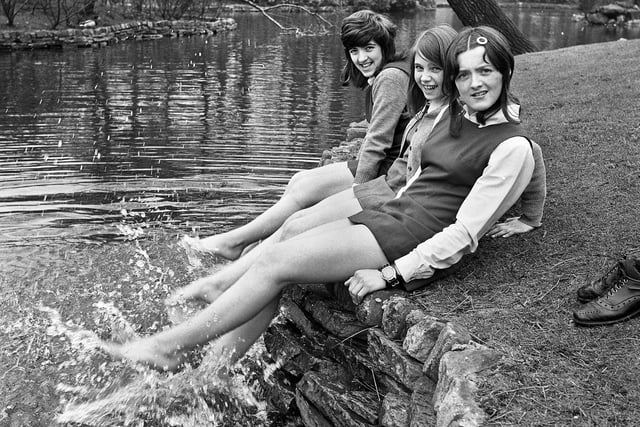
[{"x": 265, "y": 11}]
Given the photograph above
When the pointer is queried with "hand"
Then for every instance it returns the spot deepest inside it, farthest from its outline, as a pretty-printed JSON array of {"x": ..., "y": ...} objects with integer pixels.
[
  {"x": 510, "y": 227},
  {"x": 364, "y": 282}
]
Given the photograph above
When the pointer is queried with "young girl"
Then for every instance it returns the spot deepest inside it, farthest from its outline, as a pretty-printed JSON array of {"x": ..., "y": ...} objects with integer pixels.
[
  {"x": 474, "y": 165},
  {"x": 373, "y": 65}
]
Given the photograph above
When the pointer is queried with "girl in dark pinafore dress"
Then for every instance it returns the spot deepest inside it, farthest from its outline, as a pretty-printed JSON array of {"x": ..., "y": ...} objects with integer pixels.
[{"x": 475, "y": 164}]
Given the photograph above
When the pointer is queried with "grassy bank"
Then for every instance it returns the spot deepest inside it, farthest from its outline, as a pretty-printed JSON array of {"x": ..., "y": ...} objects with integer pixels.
[{"x": 517, "y": 294}]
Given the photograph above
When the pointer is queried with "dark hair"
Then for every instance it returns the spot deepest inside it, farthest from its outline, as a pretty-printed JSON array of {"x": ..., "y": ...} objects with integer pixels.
[
  {"x": 358, "y": 29},
  {"x": 497, "y": 53},
  {"x": 432, "y": 45}
]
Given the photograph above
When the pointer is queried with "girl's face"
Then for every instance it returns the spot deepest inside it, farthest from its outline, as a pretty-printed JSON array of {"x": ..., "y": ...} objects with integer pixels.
[
  {"x": 367, "y": 59},
  {"x": 428, "y": 76},
  {"x": 479, "y": 83}
]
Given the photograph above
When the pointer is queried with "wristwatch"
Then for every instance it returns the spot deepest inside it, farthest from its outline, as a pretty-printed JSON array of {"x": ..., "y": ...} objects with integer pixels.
[{"x": 390, "y": 275}]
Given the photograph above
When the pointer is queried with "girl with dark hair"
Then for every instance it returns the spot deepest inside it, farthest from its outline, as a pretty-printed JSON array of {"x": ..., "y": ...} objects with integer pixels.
[
  {"x": 373, "y": 65},
  {"x": 465, "y": 182}
]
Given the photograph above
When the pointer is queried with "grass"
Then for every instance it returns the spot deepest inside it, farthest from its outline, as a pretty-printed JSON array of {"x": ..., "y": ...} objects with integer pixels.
[{"x": 517, "y": 295}]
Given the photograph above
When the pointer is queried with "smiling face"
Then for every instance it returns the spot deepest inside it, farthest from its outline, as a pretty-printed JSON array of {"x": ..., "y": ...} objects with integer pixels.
[
  {"x": 367, "y": 59},
  {"x": 478, "y": 82},
  {"x": 428, "y": 76}
]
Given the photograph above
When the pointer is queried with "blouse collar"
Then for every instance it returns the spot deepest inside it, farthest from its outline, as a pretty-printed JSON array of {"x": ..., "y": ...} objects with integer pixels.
[{"x": 497, "y": 118}]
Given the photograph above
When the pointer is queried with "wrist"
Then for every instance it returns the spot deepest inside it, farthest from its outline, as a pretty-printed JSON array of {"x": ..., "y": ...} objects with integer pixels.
[{"x": 391, "y": 276}]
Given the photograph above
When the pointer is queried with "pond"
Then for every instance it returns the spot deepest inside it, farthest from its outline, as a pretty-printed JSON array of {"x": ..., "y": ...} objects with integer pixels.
[{"x": 109, "y": 156}]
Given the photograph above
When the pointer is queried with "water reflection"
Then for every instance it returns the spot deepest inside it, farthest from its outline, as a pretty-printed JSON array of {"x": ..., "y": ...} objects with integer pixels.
[{"x": 110, "y": 153}]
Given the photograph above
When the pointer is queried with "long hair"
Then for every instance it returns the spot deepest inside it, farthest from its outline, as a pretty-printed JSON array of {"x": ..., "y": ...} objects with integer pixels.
[
  {"x": 358, "y": 29},
  {"x": 432, "y": 45},
  {"x": 497, "y": 53}
]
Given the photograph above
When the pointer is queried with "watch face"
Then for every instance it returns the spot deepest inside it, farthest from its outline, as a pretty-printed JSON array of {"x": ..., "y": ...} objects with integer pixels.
[{"x": 388, "y": 273}]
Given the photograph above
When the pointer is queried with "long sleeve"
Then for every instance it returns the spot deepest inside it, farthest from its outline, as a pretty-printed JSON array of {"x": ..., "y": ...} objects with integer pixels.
[
  {"x": 502, "y": 182},
  {"x": 535, "y": 195},
  {"x": 389, "y": 97}
]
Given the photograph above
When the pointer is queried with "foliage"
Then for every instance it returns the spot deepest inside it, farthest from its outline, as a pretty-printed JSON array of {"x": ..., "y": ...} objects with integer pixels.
[{"x": 11, "y": 8}]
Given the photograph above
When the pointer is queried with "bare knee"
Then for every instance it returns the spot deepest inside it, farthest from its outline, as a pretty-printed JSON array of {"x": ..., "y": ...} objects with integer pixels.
[
  {"x": 272, "y": 268},
  {"x": 300, "y": 187},
  {"x": 294, "y": 225}
]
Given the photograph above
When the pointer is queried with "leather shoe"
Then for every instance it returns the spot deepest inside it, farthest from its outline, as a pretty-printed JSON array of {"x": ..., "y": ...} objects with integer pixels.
[
  {"x": 599, "y": 287},
  {"x": 621, "y": 302}
]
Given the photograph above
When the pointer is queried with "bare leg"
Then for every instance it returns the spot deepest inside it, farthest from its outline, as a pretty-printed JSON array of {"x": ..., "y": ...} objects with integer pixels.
[
  {"x": 329, "y": 253},
  {"x": 338, "y": 206},
  {"x": 233, "y": 345},
  {"x": 304, "y": 189}
]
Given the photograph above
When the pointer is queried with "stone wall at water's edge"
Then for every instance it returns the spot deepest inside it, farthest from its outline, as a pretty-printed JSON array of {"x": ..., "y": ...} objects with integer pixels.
[{"x": 103, "y": 36}]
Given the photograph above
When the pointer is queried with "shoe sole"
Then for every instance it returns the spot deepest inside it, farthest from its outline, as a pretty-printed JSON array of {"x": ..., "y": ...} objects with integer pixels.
[{"x": 605, "y": 322}]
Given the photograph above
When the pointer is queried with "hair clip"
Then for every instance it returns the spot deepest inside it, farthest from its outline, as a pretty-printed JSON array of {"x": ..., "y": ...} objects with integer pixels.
[{"x": 481, "y": 40}]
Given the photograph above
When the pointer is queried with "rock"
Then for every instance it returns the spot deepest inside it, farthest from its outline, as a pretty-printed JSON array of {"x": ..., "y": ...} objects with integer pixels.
[
  {"x": 611, "y": 11},
  {"x": 309, "y": 414},
  {"x": 337, "y": 322},
  {"x": 394, "y": 411},
  {"x": 296, "y": 355},
  {"x": 421, "y": 338},
  {"x": 417, "y": 316},
  {"x": 395, "y": 311},
  {"x": 450, "y": 335},
  {"x": 454, "y": 399},
  {"x": 370, "y": 310},
  {"x": 390, "y": 359},
  {"x": 357, "y": 130},
  {"x": 291, "y": 311},
  {"x": 421, "y": 412},
  {"x": 337, "y": 403}
]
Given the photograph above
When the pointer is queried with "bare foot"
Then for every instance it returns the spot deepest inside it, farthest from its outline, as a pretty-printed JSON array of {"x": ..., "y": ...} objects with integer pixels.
[
  {"x": 146, "y": 352},
  {"x": 204, "y": 289},
  {"x": 219, "y": 244}
]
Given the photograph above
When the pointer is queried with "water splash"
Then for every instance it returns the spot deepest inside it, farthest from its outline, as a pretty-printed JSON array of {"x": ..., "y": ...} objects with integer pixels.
[
  {"x": 191, "y": 245},
  {"x": 115, "y": 393}
]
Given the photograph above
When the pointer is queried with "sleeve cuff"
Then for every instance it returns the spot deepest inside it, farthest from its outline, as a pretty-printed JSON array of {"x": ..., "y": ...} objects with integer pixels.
[
  {"x": 410, "y": 268},
  {"x": 530, "y": 222}
]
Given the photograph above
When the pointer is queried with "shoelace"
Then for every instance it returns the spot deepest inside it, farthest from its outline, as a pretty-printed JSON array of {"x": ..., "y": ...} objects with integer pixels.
[
  {"x": 612, "y": 274},
  {"x": 616, "y": 286}
]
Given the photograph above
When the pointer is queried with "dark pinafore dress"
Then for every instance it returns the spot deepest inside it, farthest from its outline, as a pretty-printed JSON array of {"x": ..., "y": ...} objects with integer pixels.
[{"x": 450, "y": 168}]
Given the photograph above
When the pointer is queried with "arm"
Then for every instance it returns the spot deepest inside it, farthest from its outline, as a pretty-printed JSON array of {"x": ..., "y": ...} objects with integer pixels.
[
  {"x": 389, "y": 97},
  {"x": 532, "y": 202},
  {"x": 534, "y": 196},
  {"x": 502, "y": 182}
]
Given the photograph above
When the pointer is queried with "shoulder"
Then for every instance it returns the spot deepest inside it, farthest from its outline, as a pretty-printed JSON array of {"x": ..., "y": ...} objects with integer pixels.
[
  {"x": 514, "y": 147},
  {"x": 391, "y": 74}
]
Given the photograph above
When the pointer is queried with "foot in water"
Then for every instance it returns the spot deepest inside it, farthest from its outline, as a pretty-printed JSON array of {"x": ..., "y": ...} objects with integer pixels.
[
  {"x": 145, "y": 352},
  {"x": 218, "y": 245},
  {"x": 204, "y": 289}
]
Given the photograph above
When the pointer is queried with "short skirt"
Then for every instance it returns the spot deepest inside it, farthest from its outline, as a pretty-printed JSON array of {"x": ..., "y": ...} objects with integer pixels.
[
  {"x": 374, "y": 193},
  {"x": 400, "y": 225},
  {"x": 384, "y": 166}
]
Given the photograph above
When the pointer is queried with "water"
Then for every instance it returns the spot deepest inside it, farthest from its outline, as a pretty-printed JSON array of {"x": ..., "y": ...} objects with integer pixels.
[{"x": 109, "y": 156}]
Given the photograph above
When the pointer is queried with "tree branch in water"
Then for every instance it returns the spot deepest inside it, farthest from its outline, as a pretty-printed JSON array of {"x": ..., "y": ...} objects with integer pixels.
[{"x": 265, "y": 12}]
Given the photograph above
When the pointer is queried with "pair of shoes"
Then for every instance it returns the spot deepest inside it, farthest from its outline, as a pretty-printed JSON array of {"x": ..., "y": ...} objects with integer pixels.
[
  {"x": 599, "y": 287},
  {"x": 621, "y": 301}
]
